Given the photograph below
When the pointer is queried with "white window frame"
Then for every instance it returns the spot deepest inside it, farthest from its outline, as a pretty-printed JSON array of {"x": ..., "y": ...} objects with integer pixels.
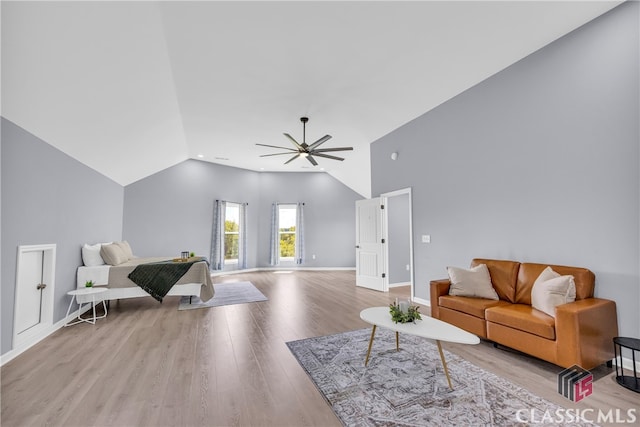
[
  {"x": 232, "y": 261},
  {"x": 288, "y": 206}
]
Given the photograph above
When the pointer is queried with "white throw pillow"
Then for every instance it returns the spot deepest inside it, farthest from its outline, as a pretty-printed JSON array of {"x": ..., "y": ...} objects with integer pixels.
[
  {"x": 91, "y": 255},
  {"x": 474, "y": 282},
  {"x": 547, "y": 274},
  {"x": 550, "y": 290}
]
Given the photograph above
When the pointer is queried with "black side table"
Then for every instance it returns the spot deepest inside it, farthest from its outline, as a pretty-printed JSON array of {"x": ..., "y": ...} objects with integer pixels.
[{"x": 632, "y": 383}]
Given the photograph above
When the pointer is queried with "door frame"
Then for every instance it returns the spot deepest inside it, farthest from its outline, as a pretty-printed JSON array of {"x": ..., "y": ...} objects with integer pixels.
[
  {"x": 47, "y": 306},
  {"x": 385, "y": 230}
]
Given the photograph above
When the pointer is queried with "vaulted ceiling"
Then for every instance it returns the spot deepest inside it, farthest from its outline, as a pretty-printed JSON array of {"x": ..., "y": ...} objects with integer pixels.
[{"x": 131, "y": 88}]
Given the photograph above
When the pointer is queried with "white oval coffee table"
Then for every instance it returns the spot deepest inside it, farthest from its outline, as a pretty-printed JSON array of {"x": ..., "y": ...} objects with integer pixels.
[{"x": 428, "y": 327}]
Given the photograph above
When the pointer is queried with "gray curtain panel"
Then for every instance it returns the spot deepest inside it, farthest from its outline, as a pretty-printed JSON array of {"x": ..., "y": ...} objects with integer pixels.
[
  {"x": 242, "y": 239},
  {"x": 217, "y": 235},
  {"x": 299, "y": 233},
  {"x": 275, "y": 235}
]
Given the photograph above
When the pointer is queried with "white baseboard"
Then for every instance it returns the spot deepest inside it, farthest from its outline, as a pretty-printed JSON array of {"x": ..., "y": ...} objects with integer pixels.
[
  {"x": 424, "y": 302},
  {"x": 397, "y": 285},
  {"x": 15, "y": 352},
  {"x": 627, "y": 364},
  {"x": 280, "y": 268}
]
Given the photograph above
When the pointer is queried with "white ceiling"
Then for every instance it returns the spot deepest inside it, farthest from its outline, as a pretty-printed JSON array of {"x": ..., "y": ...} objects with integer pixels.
[{"x": 131, "y": 88}]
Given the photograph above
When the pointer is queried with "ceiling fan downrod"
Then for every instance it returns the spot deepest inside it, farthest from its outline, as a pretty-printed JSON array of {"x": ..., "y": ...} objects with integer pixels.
[{"x": 304, "y": 121}]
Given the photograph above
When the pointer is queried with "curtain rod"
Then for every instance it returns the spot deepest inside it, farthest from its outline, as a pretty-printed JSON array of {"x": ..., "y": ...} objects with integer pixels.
[
  {"x": 229, "y": 201},
  {"x": 290, "y": 203}
]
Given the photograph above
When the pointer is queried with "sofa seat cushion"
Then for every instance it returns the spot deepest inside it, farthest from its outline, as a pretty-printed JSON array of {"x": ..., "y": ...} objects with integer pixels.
[
  {"x": 469, "y": 305},
  {"x": 524, "y": 318}
]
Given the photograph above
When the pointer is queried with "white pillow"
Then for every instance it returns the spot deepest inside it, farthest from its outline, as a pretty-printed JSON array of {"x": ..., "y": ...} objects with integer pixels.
[
  {"x": 547, "y": 274},
  {"x": 474, "y": 282},
  {"x": 91, "y": 255},
  {"x": 550, "y": 290}
]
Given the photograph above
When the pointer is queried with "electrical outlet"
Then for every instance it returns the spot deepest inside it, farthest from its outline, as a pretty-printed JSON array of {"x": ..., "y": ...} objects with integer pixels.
[
  {"x": 313, "y": 256},
  {"x": 426, "y": 238},
  {"x": 408, "y": 267}
]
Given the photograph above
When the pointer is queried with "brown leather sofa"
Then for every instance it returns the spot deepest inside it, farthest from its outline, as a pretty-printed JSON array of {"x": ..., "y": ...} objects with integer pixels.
[{"x": 581, "y": 334}]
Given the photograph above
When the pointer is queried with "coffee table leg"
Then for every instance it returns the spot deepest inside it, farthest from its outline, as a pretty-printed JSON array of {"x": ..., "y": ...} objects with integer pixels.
[
  {"x": 373, "y": 332},
  {"x": 397, "y": 341},
  {"x": 444, "y": 364}
]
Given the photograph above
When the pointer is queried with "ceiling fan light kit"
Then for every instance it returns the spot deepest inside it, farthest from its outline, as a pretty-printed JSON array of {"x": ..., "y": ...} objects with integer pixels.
[{"x": 305, "y": 150}]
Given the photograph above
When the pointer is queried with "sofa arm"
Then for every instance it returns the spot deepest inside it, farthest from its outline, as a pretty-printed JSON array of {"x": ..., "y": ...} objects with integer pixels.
[
  {"x": 438, "y": 288},
  {"x": 584, "y": 331}
]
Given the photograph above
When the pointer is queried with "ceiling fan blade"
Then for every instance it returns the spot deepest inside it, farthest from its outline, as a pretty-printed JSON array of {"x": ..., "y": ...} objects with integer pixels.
[
  {"x": 292, "y": 159},
  {"x": 274, "y": 154},
  {"x": 312, "y": 160},
  {"x": 276, "y": 146},
  {"x": 320, "y": 141},
  {"x": 298, "y": 146},
  {"x": 326, "y": 150},
  {"x": 328, "y": 156}
]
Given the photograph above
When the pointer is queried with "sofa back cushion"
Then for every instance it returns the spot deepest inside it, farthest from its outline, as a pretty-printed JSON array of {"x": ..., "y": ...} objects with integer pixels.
[
  {"x": 504, "y": 275},
  {"x": 529, "y": 272}
]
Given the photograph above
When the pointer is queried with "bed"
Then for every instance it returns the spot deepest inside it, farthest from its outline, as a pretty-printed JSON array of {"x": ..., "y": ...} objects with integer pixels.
[{"x": 195, "y": 282}]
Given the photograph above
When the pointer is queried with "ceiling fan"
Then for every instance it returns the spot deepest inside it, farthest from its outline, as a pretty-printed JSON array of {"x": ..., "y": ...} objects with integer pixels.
[{"x": 305, "y": 150}]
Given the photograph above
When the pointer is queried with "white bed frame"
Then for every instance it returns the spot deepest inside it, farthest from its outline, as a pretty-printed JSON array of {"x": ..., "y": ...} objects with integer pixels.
[
  {"x": 100, "y": 277},
  {"x": 187, "y": 289}
]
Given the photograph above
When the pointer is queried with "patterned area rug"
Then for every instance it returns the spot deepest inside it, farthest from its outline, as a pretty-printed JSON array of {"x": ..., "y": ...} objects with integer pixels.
[
  {"x": 225, "y": 294},
  {"x": 409, "y": 387}
]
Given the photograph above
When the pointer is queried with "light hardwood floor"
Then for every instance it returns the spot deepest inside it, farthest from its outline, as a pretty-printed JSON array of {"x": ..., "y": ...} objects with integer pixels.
[{"x": 148, "y": 364}]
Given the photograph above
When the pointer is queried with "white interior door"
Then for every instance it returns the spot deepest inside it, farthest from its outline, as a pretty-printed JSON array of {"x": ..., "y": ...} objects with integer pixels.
[{"x": 370, "y": 245}]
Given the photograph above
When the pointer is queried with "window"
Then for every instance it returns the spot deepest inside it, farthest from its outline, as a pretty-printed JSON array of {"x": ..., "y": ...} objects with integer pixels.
[
  {"x": 287, "y": 231},
  {"x": 229, "y": 235},
  {"x": 231, "y": 232}
]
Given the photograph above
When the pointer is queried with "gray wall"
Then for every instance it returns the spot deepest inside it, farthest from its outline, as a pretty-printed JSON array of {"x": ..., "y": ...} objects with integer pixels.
[
  {"x": 538, "y": 163},
  {"x": 172, "y": 211},
  {"x": 399, "y": 238},
  {"x": 329, "y": 216},
  {"x": 48, "y": 197}
]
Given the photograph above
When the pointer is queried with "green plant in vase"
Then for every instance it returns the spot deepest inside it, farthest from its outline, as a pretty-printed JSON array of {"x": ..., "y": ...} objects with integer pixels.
[
  {"x": 89, "y": 284},
  {"x": 398, "y": 315},
  {"x": 192, "y": 254}
]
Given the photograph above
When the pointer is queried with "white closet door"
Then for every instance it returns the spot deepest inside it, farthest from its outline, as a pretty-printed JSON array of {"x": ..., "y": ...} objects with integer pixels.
[{"x": 28, "y": 310}]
